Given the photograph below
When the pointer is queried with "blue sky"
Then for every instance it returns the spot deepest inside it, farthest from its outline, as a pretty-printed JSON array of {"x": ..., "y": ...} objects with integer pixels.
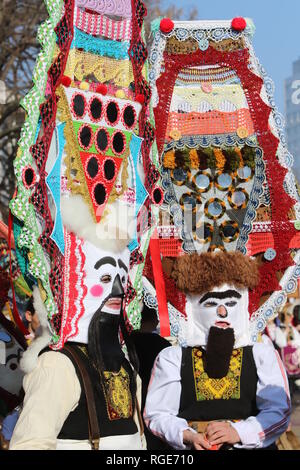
[{"x": 277, "y": 37}]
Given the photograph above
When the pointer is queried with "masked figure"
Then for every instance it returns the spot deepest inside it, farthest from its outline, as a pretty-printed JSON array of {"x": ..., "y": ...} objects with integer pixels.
[
  {"x": 55, "y": 406},
  {"x": 220, "y": 390},
  {"x": 12, "y": 346}
]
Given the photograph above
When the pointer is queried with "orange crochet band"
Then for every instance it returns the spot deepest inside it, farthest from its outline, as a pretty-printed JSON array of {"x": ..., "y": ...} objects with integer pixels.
[{"x": 214, "y": 122}]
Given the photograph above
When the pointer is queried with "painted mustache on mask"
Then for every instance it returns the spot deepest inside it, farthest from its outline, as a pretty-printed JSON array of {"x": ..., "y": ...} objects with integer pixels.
[{"x": 113, "y": 302}]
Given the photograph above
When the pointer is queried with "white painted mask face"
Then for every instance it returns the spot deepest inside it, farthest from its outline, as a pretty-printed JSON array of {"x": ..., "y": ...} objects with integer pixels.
[
  {"x": 223, "y": 307},
  {"x": 106, "y": 281}
]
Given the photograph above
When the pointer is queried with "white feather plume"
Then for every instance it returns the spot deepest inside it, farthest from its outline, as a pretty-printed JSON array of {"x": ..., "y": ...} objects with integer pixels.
[{"x": 112, "y": 233}]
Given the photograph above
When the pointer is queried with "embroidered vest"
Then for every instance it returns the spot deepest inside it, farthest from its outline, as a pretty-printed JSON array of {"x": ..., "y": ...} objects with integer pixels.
[
  {"x": 113, "y": 399},
  {"x": 231, "y": 397}
]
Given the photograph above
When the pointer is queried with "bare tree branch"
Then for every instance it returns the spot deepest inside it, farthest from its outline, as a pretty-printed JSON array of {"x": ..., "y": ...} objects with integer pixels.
[{"x": 19, "y": 21}]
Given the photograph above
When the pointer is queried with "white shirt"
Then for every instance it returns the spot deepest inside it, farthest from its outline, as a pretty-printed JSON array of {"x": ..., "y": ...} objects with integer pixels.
[
  {"x": 277, "y": 335},
  {"x": 296, "y": 338},
  {"x": 52, "y": 391},
  {"x": 272, "y": 400},
  {"x": 280, "y": 336}
]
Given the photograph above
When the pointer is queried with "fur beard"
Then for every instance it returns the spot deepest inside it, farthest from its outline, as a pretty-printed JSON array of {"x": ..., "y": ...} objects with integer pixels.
[
  {"x": 218, "y": 352},
  {"x": 103, "y": 342}
]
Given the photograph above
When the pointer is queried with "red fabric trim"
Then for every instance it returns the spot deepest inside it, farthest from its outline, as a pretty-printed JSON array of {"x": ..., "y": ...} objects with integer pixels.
[
  {"x": 281, "y": 202},
  {"x": 295, "y": 241},
  {"x": 101, "y": 25},
  {"x": 160, "y": 287},
  {"x": 170, "y": 247},
  {"x": 260, "y": 242},
  {"x": 75, "y": 289},
  {"x": 138, "y": 55},
  {"x": 174, "y": 296}
]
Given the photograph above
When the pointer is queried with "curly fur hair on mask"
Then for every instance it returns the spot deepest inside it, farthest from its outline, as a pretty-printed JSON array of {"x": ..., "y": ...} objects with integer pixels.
[
  {"x": 197, "y": 274},
  {"x": 43, "y": 336},
  {"x": 76, "y": 218}
]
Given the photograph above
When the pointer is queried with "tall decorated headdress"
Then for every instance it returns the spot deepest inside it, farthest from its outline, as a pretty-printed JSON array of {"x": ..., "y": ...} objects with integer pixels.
[
  {"x": 84, "y": 160},
  {"x": 226, "y": 171}
]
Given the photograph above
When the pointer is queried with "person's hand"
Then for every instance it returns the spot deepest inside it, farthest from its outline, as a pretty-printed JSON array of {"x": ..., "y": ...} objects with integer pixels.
[
  {"x": 195, "y": 440},
  {"x": 222, "y": 433}
]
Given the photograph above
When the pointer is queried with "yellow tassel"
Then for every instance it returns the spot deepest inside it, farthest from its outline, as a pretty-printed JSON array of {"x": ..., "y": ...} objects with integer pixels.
[
  {"x": 169, "y": 160},
  {"x": 239, "y": 153},
  {"x": 194, "y": 159},
  {"x": 220, "y": 159}
]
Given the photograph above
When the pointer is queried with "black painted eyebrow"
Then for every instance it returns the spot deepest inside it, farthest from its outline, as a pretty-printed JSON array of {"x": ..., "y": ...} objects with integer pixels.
[
  {"x": 105, "y": 260},
  {"x": 122, "y": 265},
  {"x": 220, "y": 295}
]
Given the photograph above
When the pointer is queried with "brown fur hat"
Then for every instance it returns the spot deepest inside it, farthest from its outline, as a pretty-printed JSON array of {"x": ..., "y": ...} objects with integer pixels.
[{"x": 201, "y": 273}]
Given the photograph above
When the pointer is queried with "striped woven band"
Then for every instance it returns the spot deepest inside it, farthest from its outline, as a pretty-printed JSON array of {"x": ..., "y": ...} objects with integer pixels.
[{"x": 101, "y": 25}]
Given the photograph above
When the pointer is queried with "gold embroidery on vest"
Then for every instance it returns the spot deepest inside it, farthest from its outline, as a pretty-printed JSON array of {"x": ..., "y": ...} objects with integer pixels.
[
  {"x": 226, "y": 388},
  {"x": 116, "y": 390},
  {"x": 118, "y": 395}
]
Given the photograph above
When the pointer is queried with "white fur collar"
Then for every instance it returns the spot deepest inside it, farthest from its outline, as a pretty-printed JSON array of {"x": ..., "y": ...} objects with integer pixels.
[{"x": 43, "y": 335}]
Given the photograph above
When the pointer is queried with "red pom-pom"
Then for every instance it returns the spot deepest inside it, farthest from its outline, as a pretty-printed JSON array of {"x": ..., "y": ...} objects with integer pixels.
[
  {"x": 101, "y": 89},
  {"x": 239, "y": 24},
  {"x": 166, "y": 25},
  {"x": 140, "y": 99},
  {"x": 66, "y": 81}
]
